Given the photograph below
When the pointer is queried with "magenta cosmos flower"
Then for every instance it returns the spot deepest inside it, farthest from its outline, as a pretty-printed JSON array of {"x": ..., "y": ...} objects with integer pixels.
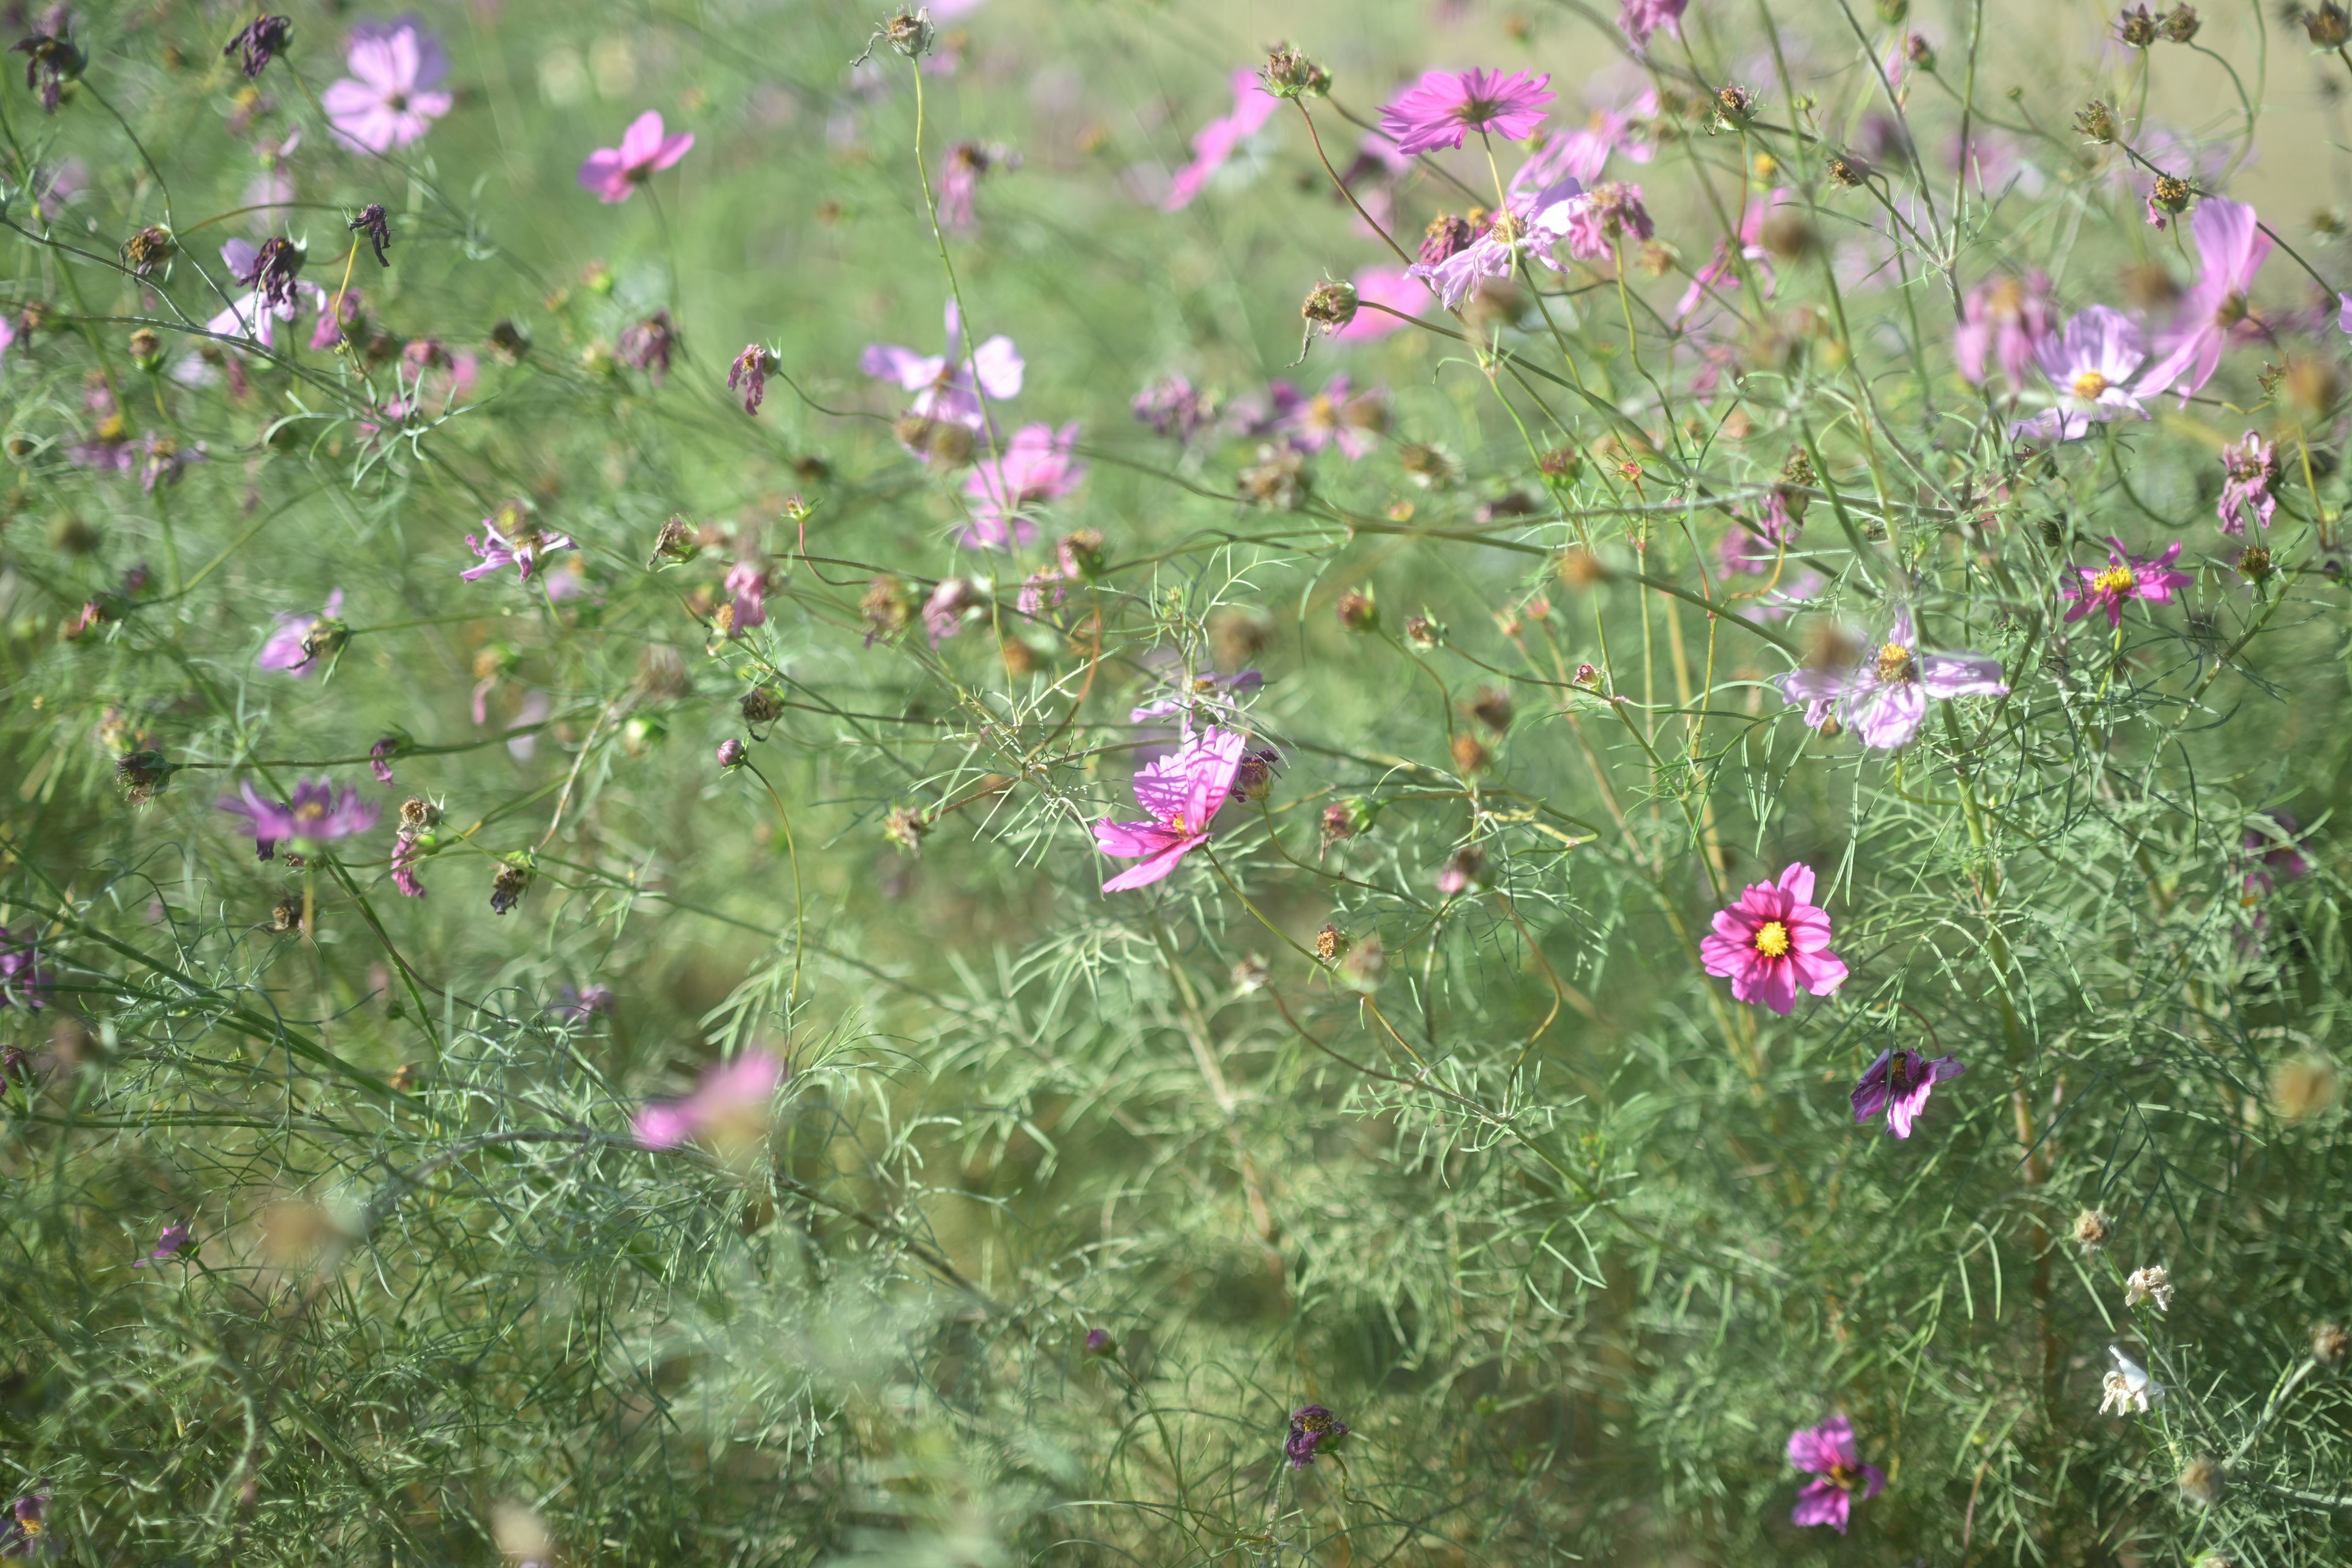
[
  {"x": 1828, "y": 1451},
  {"x": 314, "y": 815},
  {"x": 943, "y": 388},
  {"x": 1037, "y": 465},
  {"x": 1883, "y": 698},
  {"x": 168, "y": 1245},
  {"x": 730, "y": 1105},
  {"x": 392, "y": 96},
  {"x": 2231, "y": 245},
  {"x": 2088, "y": 365},
  {"x": 615, "y": 172},
  {"x": 523, "y": 550},
  {"x": 1181, "y": 793},
  {"x": 1215, "y": 143},
  {"x": 1896, "y": 1087},
  {"x": 2004, "y": 320},
  {"x": 2124, "y": 578},
  {"x": 1443, "y": 107},
  {"x": 1774, "y": 941},
  {"x": 289, "y": 648},
  {"x": 1640, "y": 18}
]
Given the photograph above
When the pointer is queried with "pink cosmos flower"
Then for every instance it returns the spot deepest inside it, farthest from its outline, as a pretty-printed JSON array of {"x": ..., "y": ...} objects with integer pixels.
[
  {"x": 1443, "y": 107},
  {"x": 1896, "y": 1087},
  {"x": 1610, "y": 211},
  {"x": 1181, "y": 794},
  {"x": 2232, "y": 247},
  {"x": 748, "y": 581},
  {"x": 947, "y": 394},
  {"x": 2126, "y": 577},
  {"x": 1723, "y": 273},
  {"x": 168, "y": 1245},
  {"x": 1883, "y": 698},
  {"x": 1383, "y": 286},
  {"x": 2088, "y": 365},
  {"x": 315, "y": 815},
  {"x": 2343, "y": 315},
  {"x": 615, "y": 172},
  {"x": 2005, "y": 319},
  {"x": 1215, "y": 143},
  {"x": 287, "y": 648},
  {"x": 1640, "y": 18},
  {"x": 1774, "y": 941},
  {"x": 1829, "y": 1451},
  {"x": 522, "y": 550},
  {"x": 950, "y": 602},
  {"x": 730, "y": 1105},
  {"x": 1037, "y": 465},
  {"x": 1535, "y": 226},
  {"x": 2253, "y": 467},
  {"x": 390, "y": 99},
  {"x": 1333, "y": 415},
  {"x": 1582, "y": 154},
  {"x": 406, "y": 854}
]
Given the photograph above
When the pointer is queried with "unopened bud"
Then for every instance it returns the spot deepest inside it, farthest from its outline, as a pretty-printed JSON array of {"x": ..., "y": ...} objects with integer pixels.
[
  {"x": 1357, "y": 612},
  {"x": 2329, "y": 26},
  {"x": 733, "y": 753},
  {"x": 1289, "y": 74}
]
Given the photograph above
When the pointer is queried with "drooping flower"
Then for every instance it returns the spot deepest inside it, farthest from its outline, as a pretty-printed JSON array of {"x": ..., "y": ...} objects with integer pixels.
[
  {"x": 2003, "y": 320},
  {"x": 262, "y": 40},
  {"x": 272, "y": 291},
  {"x": 416, "y": 818},
  {"x": 1181, "y": 793},
  {"x": 1531, "y": 227},
  {"x": 1610, "y": 211},
  {"x": 749, "y": 375},
  {"x": 1774, "y": 942},
  {"x": 2089, "y": 366},
  {"x": 2125, "y": 578},
  {"x": 950, "y": 602},
  {"x": 1896, "y": 1087},
  {"x": 2232, "y": 247},
  {"x": 2128, "y": 1388},
  {"x": 728, "y": 1106},
  {"x": 1829, "y": 1452},
  {"x": 1039, "y": 464},
  {"x": 649, "y": 345},
  {"x": 1723, "y": 271},
  {"x": 2253, "y": 467},
  {"x": 1311, "y": 1426},
  {"x": 2153, "y": 1283},
  {"x": 1215, "y": 143},
  {"x": 945, "y": 387},
  {"x": 512, "y": 545},
  {"x": 315, "y": 816},
  {"x": 615, "y": 172},
  {"x": 1443, "y": 107},
  {"x": 1640, "y": 18},
  {"x": 392, "y": 96},
  {"x": 748, "y": 581},
  {"x": 291, "y": 647},
  {"x": 23, "y": 982},
  {"x": 1883, "y": 698},
  {"x": 168, "y": 1245},
  {"x": 375, "y": 226}
]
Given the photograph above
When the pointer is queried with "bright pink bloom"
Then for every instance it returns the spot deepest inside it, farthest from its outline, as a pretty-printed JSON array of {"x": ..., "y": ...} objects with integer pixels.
[
  {"x": 2126, "y": 577},
  {"x": 1443, "y": 107},
  {"x": 1383, "y": 286},
  {"x": 1182, "y": 793},
  {"x": 2004, "y": 320},
  {"x": 315, "y": 815},
  {"x": 1640, "y": 18},
  {"x": 285, "y": 648},
  {"x": 730, "y": 1101},
  {"x": 168, "y": 1246},
  {"x": 615, "y": 172},
  {"x": 1216, "y": 142},
  {"x": 2252, "y": 467},
  {"x": 1896, "y": 1087},
  {"x": 1039, "y": 464},
  {"x": 2232, "y": 247},
  {"x": 1828, "y": 1451},
  {"x": 943, "y": 388},
  {"x": 2088, "y": 365},
  {"x": 390, "y": 98},
  {"x": 1774, "y": 942}
]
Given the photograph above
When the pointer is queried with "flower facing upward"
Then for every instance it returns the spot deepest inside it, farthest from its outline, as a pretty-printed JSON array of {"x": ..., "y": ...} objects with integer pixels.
[
  {"x": 1215, "y": 143},
  {"x": 1829, "y": 1452},
  {"x": 1181, "y": 793},
  {"x": 1311, "y": 1426},
  {"x": 314, "y": 815},
  {"x": 390, "y": 98},
  {"x": 1774, "y": 942},
  {"x": 1896, "y": 1087},
  {"x": 1039, "y": 464},
  {"x": 2252, "y": 467},
  {"x": 615, "y": 172},
  {"x": 294, "y": 647},
  {"x": 21, "y": 1528},
  {"x": 515, "y": 546},
  {"x": 1883, "y": 698},
  {"x": 2088, "y": 365},
  {"x": 943, "y": 388},
  {"x": 2231, "y": 245},
  {"x": 729, "y": 1106},
  {"x": 1443, "y": 107},
  {"x": 2125, "y": 578}
]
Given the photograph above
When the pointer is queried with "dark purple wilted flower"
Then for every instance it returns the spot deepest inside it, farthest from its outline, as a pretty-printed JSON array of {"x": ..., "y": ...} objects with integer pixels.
[
  {"x": 1610, "y": 211},
  {"x": 405, "y": 855},
  {"x": 1829, "y": 1451},
  {"x": 373, "y": 223},
  {"x": 960, "y": 175},
  {"x": 2252, "y": 466},
  {"x": 161, "y": 460},
  {"x": 50, "y": 61},
  {"x": 1896, "y": 1087},
  {"x": 26, "y": 1520},
  {"x": 649, "y": 345},
  {"x": 944, "y": 611},
  {"x": 22, "y": 980},
  {"x": 2126, "y": 577},
  {"x": 167, "y": 1245},
  {"x": 1883, "y": 698},
  {"x": 263, "y": 40},
  {"x": 271, "y": 274},
  {"x": 1171, "y": 407},
  {"x": 315, "y": 815},
  {"x": 1311, "y": 1426},
  {"x": 749, "y": 375}
]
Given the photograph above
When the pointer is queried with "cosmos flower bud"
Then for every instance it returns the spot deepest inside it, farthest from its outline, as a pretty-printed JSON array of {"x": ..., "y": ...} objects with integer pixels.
[
  {"x": 1079, "y": 553},
  {"x": 1099, "y": 1343},
  {"x": 2096, "y": 121},
  {"x": 1560, "y": 463},
  {"x": 1289, "y": 74},
  {"x": 1894, "y": 12},
  {"x": 2136, "y": 28},
  {"x": 1921, "y": 53},
  {"x": 1464, "y": 869},
  {"x": 1357, "y": 611},
  {"x": 1422, "y": 632},
  {"x": 2328, "y": 26},
  {"x": 1588, "y": 676},
  {"x": 732, "y": 753},
  {"x": 1329, "y": 307},
  {"x": 142, "y": 773},
  {"x": 147, "y": 349}
]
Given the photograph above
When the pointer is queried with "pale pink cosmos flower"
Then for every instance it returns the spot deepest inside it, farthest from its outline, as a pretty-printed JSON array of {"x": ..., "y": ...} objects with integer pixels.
[
  {"x": 1723, "y": 271},
  {"x": 747, "y": 581},
  {"x": 522, "y": 550},
  {"x": 1773, "y": 942},
  {"x": 615, "y": 172},
  {"x": 1443, "y": 107},
  {"x": 1583, "y": 152},
  {"x": 2089, "y": 366},
  {"x": 1338, "y": 416},
  {"x": 1215, "y": 143},
  {"x": 2252, "y": 467},
  {"x": 2003, "y": 320},
  {"x": 1039, "y": 464},
  {"x": 1883, "y": 699},
  {"x": 286, "y": 649},
  {"x": 944, "y": 388},
  {"x": 1181, "y": 793},
  {"x": 1896, "y": 1087},
  {"x": 2232, "y": 247},
  {"x": 1640, "y": 18},
  {"x": 392, "y": 96},
  {"x": 2343, "y": 314},
  {"x": 1383, "y": 286},
  {"x": 1829, "y": 1451},
  {"x": 1610, "y": 211},
  {"x": 1534, "y": 226},
  {"x": 2125, "y": 578},
  {"x": 730, "y": 1105}
]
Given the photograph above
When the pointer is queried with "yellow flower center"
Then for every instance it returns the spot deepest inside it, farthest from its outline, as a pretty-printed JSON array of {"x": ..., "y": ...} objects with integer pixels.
[
  {"x": 2089, "y": 385},
  {"x": 1772, "y": 940},
  {"x": 1894, "y": 663},
  {"x": 2114, "y": 580}
]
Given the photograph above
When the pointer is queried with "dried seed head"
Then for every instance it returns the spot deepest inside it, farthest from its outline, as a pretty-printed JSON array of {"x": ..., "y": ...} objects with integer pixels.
[
  {"x": 141, "y": 775},
  {"x": 2304, "y": 1088},
  {"x": 1330, "y": 944},
  {"x": 762, "y": 705},
  {"x": 2180, "y": 23},
  {"x": 2329, "y": 1344},
  {"x": 2136, "y": 27},
  {"x": 417, "y": 814},
  {"x": 2328, "y": 26},
  {"x": 2200, "y": 1481},
  {"x": 2091, "y": 1230},
  {"x": 2096, "y": 121},
  {"x": 1289, "y": 74},
  {"x": 1329, "y": 307},
  {"x": 286, "y": 915}
]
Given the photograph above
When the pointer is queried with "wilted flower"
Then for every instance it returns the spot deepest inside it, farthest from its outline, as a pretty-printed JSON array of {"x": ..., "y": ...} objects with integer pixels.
[
  {"x": 315, "y": 815},
  {"x": 51, "y": 60},
  {"x": 649, "y": 345},
  {"x": 2232, "y": 247},
  {"x": 263, "y": 40},
  {"x": 516, "y": 546},
  {"x": 1896, "y": 1086},
  {"x": 728, "y": 1106},
  {"x": 947, "y": 388},
  {"x": 1443, "y": 107},
  {"x": 2129, "y": 1389},
  {"x": 950, "y": 602},
  {"x": 1884, "y": 700},
  {"x": 1329, "y": 307},
  {"x": 380, "y": 757},
  {"x": 374, "y": 224},
  {"x": 1533, "y": 224},
  {"x": 2126, "y": 577},
  {"x": 1181, "y": 794},
  {"x": 1215, "y": 143},
  {"x": 298, "y": 645},
  {"x": 1170, "y": 407},
  {"x": 141, "y": 774},
  {"x": 1289, "y": 74},
  {"x": 2091, "y": 1230},
  {"x": 407, "y": 851},
  {"x": 2136, "y": 28},
  {"x": 1311, "y": 1426},
  {"x": 2251, "y": 465},
  {"x": 749, "y": 375},
  {"x": 1774, "y": 942},
  {"x": 615, "y": 172},
  {"x": 390, "y": 98},
  {"x": 2149, "y": 1284},
  {"x": 1608, "y": 212},
  {"x": 2329, "y": 27},
  {"x": 2180, "y": 23}
]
